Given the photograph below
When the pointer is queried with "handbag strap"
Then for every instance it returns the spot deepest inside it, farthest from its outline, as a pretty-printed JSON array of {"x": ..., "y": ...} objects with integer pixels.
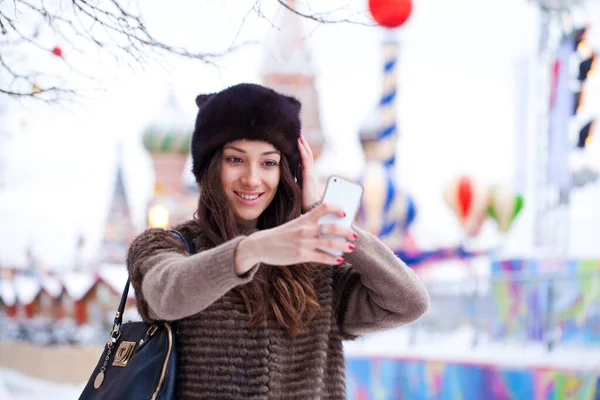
[{"x": 191, "y": 248}]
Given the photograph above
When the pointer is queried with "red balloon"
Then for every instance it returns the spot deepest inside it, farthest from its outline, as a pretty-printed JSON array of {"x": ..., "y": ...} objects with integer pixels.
[
  {"x": 390, "y": 13},
  {"x": 465, "y": 196},
  {"x": 57, "y": 51}
]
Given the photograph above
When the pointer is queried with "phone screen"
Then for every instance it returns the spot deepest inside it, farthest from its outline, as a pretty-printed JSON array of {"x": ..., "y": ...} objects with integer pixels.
[{"x": 345, "y": 194}]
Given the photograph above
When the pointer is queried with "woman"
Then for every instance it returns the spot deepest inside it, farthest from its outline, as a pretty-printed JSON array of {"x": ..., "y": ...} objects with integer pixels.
[{"x": 261, "y": 312}]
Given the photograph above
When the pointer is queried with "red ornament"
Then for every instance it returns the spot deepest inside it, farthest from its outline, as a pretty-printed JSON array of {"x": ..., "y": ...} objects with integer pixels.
[
  {"x": 465, "y": 196},
  {"x": 57, "y": 51},
  {"x": 390, "y": 13}
]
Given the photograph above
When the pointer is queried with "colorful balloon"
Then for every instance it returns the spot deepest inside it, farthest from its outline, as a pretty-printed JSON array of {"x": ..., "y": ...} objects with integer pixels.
[
  {"x": 469, "y": 200},
  {"x": 504, "y": 207},
  {"x": 465, "y": 196},
  {"x": 390, "y": 13}
]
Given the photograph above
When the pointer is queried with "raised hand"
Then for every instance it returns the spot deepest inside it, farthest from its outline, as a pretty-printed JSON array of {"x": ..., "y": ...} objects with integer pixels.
[
  {"x": 310, "y": 185},
  {"x": 296, "y": 241}
]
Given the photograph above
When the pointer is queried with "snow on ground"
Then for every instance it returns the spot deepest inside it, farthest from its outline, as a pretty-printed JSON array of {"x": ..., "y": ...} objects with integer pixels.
[{"x": 16, "y": 386}]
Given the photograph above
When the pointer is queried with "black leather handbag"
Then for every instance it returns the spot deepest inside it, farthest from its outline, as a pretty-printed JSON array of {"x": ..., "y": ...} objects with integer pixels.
[{"x": 139, "y": 359}]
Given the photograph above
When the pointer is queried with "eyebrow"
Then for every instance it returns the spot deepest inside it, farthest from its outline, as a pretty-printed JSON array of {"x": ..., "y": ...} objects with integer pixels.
[{"x": 266, "y": 153}]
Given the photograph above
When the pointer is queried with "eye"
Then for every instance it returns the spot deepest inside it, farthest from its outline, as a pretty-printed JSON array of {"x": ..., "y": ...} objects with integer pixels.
[
  {"x": 234, "y": 159},
  {"x": 271, "y": 163}
]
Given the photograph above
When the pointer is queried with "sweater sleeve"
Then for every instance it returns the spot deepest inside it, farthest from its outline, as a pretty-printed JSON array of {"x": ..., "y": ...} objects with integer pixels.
[
  {"x": 374, "y": 290},
  {"x": 170, "y": 284}
]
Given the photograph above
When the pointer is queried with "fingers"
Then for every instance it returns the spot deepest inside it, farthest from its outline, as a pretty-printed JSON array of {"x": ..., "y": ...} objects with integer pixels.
[
  {"x": 314, "y": 231},
  {"x": 305, "y": 154},
  {"x": 310, "y": 249},
  {"x": 332, "y": 243},
  {"x": 307, "y": 147},
  {"x": 338, "y": 230},
  {"x": 324, "y": 209},
  {"x": 320, "y": 257}
]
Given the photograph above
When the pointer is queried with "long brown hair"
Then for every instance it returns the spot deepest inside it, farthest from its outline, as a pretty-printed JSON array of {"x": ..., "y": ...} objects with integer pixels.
[{"x": 287, "y": 291}]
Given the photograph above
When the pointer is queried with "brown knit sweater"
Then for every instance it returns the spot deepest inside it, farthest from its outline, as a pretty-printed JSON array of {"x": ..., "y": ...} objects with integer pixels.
[{"x": 220, "y": 357}]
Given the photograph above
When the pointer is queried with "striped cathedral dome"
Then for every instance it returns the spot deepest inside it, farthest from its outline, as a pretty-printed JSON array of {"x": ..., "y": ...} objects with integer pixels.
[
  {"x": 171, "y": 132},
  {"x": 159, "y": 139}
]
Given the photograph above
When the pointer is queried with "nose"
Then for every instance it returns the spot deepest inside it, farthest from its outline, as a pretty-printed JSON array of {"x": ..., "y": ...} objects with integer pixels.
[{"x": 251, "y": 176}]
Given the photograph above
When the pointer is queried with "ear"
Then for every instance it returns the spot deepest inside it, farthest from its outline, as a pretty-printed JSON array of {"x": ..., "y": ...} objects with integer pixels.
[
  {"x": 202, "y": 98},
  {"x": 294, "y": 102}
]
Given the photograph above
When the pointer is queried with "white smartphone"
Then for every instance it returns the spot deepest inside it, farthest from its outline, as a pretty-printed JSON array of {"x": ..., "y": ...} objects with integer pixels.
[{"x": 345, "y": 194}]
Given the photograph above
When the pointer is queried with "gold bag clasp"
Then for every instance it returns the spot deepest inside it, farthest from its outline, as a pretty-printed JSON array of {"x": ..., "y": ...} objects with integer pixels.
[{"x": 123, "y": 354}]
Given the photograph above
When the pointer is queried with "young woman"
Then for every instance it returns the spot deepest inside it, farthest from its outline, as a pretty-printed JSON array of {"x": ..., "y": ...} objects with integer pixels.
[{"x": 260, "y": 312}]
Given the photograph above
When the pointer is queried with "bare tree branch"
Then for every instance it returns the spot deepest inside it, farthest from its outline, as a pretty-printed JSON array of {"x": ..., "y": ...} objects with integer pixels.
[
  {"x": 318, "y": 17},
  {"x": 48, "y": 95},
  {"x": 255, "y": 7},
  {"x": 107, "y": 25}
]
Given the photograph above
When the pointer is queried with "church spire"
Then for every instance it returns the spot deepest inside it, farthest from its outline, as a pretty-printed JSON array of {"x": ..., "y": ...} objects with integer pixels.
[
  {"x": 288, "y": 69},
  {"x": 118, "y": 228}
]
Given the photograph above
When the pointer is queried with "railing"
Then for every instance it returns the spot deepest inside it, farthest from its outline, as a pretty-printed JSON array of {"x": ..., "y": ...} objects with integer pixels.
[{"x": 561, "y": 309}]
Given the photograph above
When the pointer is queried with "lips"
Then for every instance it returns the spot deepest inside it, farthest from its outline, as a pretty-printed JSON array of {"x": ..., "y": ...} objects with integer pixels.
[{"x": 248, "y": 198}]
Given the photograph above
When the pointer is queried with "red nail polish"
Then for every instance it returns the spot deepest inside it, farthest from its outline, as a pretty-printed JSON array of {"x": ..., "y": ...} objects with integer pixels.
[
  {"x": 339, "y": 260},
  {"x": 344, "y": 214},
  {"x": 354, "y": 235},
  {"x": 351, "y": 246}
]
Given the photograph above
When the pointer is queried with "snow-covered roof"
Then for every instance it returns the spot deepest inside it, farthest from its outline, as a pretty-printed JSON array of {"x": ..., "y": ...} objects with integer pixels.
[
  {"x": 51, "y": 285},
  {"x": 27, "y": 288},
  {"x": 115, "y": 276},
  {"x": 78, "y": 284},
  {"x": 7, "y": 292}
]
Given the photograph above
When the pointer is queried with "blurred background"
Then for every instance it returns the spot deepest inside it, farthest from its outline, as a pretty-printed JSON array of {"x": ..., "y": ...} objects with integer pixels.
[{"x": 471, "y": 124}]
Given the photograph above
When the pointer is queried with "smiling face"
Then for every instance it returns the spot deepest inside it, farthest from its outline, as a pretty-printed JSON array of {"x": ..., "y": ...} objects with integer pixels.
[{"x": 250, "y": 174}]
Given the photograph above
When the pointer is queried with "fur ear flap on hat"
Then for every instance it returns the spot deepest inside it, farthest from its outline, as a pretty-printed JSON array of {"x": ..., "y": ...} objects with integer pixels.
[
  {"x": 202, "y": 98},
  {"x": 294, "y": 102},
  {"x": 245, "y": 112}
]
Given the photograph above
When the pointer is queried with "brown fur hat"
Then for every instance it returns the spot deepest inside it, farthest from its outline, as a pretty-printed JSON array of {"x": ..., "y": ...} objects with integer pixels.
[{"x": 245, "y": 111}]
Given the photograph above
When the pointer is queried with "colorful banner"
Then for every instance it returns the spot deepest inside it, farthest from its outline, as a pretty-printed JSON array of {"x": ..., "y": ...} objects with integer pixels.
[
  {"x": 387, "y": 378},
  {"x": 530, "y": 297}
]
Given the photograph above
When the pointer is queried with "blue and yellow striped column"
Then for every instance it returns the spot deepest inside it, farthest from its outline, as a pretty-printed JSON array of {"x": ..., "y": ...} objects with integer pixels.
[
  {"x": 387, "y": 138},
  {"x": 384, "y": 209}
]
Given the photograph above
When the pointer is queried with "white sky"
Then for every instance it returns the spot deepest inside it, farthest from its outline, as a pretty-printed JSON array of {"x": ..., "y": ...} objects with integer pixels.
[{"x": 456, "y": 114}]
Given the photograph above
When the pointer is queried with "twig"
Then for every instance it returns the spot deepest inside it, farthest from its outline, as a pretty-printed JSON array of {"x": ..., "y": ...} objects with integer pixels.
[
  {"x": 109, "y": 26},
  {"x": 321, "y": 20}
]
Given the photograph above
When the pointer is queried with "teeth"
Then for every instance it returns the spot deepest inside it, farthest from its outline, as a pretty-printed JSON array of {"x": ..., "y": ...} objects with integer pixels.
[{"x": 247, "y": 197}]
